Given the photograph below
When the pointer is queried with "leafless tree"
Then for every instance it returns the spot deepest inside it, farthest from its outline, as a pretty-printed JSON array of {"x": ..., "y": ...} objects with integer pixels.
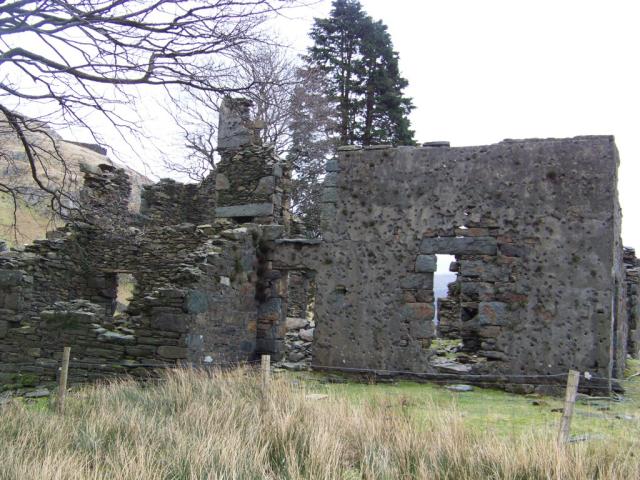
[
  {"x": 267, "y": 74},
  {"x": 298, "y": 117},
  {"x": 313, "y": 130},
  {"x": 272, "y": 70},
  {"x": 63, "y": 61}
]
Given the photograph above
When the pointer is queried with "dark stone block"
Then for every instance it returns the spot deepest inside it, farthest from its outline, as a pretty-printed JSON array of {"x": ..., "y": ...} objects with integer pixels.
[
  {"x": 460, "y": 245},
  {"x": 511, "y": 250},
  {"x": 11, "y": 278},
  {"x": 420, "y": 312},
  {"x": 331, "y": 179},
  {"x": 265, "y": 345},
  {"x": 272, "y": 232},
  {"x": 485, "y": 271},
  {"x": 106, "y": 353},
  {"x": 477, "y": 291},
  {"x": 426, "y": 263},
  {"x": 329, "y": 195},
  {"x": 172, "y": 352},
  {"x": 493, "y": 355},
  {"x": 68, "y": 320},
  {"x": 493, "y": 313},
  {"x": 332, "y": 166},
  {"x": 196, "y": 301},
  {"x": 415, "y": 281},
  {"x": 271, "y": 310},
  {"x": 140, "y": 350},
  {"x": 169, "y": 322},
  {"x": 12, "y": 301}
]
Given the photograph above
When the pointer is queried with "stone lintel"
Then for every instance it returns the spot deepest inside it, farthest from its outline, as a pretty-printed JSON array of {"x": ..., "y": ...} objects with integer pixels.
[
  {"x": 299, "y": 241},
  {"x": 247, "y": 210},
  {"x": 460, "y": 245}
]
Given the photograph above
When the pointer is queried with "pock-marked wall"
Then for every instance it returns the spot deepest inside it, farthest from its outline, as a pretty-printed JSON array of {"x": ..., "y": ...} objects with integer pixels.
[{"x": 534, "y": 226}]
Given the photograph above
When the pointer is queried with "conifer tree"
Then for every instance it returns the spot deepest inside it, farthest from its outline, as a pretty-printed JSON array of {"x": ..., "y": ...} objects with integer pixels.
[{"x": 356, "y": 56}]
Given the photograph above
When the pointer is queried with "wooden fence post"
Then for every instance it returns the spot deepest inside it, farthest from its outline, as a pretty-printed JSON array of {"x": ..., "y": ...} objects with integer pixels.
[
  {"x": 569, "y": 401},
  {"x": 64, "y": 373},
  {"x": 265, "y": 364}
]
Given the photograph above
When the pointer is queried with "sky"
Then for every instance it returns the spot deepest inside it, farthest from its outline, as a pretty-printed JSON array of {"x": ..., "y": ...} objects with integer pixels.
[{"x": 483, "y": 71}]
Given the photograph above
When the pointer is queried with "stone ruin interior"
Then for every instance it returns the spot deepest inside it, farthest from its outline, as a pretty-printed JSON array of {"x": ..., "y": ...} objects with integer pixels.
[{"x": 213, "y": 273}]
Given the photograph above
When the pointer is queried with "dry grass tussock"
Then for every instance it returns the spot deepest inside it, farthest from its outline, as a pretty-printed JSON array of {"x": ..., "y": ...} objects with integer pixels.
[{"x": 214, "y": 426}]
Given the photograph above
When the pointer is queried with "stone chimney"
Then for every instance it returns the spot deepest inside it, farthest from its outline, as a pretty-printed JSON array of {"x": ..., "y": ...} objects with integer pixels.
[
  {"x": 249, "y": 176},
  {"x": 236, "y": 130}
]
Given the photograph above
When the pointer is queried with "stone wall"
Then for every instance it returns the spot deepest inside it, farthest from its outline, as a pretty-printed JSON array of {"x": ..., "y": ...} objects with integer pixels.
[
  {"x": 203, "y": 294},
  {"x": 542, "y": 282},
  {"x": 534, "y": 226},
  {"x": 632, "y": 283},
  {"x": 194, "y": 298},
  {"x": 170, "y": 203},
  {"x": 249, "y": 185}
]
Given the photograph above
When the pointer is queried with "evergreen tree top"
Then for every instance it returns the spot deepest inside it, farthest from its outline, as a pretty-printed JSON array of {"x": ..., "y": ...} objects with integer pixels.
[{"x": 356, "y": 55}]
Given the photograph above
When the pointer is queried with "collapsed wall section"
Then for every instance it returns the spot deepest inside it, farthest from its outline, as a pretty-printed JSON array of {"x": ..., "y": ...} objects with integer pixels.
[
  {"x": 194, "y": 298},
  {"x": 534, "y": 226},
  {"x": 170, "y": 203},
  {"x": 200, "y": 291}
]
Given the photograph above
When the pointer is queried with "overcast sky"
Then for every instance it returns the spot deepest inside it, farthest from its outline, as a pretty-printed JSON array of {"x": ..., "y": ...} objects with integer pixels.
[{"x": 483, "y": 71}]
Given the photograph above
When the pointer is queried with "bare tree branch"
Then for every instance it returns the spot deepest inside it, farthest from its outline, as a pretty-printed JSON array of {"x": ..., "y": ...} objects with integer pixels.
[
  {"x": 265, "y": 73},
  {"x": 62, "y": 61}
]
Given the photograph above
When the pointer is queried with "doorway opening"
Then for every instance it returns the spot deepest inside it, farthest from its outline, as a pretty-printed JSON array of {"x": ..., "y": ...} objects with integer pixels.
[
  {"x": 446, "y": 293},
  {"x": 300, "y": 323},
  {"x": 444, "y": 280}
]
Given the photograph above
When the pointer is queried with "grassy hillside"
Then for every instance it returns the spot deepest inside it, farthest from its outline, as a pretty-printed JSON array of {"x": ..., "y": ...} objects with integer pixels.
[
  {"x": 34, "y": 218},
  {"x": 31, "y": 221},
  {"x": 199, "y": 426}
]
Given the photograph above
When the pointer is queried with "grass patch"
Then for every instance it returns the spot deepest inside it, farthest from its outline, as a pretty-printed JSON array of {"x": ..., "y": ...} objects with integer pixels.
[
  {"x": 215, "y": 426},
  {"x": 32, "y": 222},
  {"x": 499, "y": 412}
]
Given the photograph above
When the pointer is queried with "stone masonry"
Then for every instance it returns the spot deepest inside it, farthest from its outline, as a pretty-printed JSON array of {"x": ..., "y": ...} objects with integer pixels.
[
  {"x": 543, "y": 284},
  {"x": 632, "y": 281},
  {"x": 535, "y": 229}
]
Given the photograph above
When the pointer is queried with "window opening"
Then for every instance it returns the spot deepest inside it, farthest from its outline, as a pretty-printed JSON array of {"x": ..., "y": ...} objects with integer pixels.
[{"x": 125, "y": 284}]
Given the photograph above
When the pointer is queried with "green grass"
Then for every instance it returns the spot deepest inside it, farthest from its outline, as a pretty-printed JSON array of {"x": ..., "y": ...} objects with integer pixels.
[
  {"x": 218, "y": 425},
  {"x": 445, "y": 347},
  {"x": 497, "y": 411}
]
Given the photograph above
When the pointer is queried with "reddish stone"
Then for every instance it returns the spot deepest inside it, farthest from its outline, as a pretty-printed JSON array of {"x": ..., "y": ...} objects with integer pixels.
[
  {"x": 472, "y": 232},
  {"x": 419, "y": 311},
  {"x": 408, "y": 296}
]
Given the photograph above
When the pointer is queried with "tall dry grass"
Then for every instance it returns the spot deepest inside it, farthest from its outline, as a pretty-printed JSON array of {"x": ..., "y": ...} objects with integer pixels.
[{"x": 213, "y": 426}]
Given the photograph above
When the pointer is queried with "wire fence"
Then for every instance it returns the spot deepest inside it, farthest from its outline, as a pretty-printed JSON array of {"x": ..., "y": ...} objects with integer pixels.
[
  {"x": 492, "y": 409},
  {"x": 492, "y": 379},
  {"x": 483, "y": 402}
]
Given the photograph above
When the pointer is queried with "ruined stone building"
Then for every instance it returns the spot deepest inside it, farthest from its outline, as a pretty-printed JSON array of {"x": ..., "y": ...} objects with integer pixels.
[{"x": 543, "y": 283}]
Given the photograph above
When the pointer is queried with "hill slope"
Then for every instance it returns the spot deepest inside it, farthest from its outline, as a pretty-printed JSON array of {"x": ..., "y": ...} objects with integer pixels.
[{"x": 33, "y": 218}]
